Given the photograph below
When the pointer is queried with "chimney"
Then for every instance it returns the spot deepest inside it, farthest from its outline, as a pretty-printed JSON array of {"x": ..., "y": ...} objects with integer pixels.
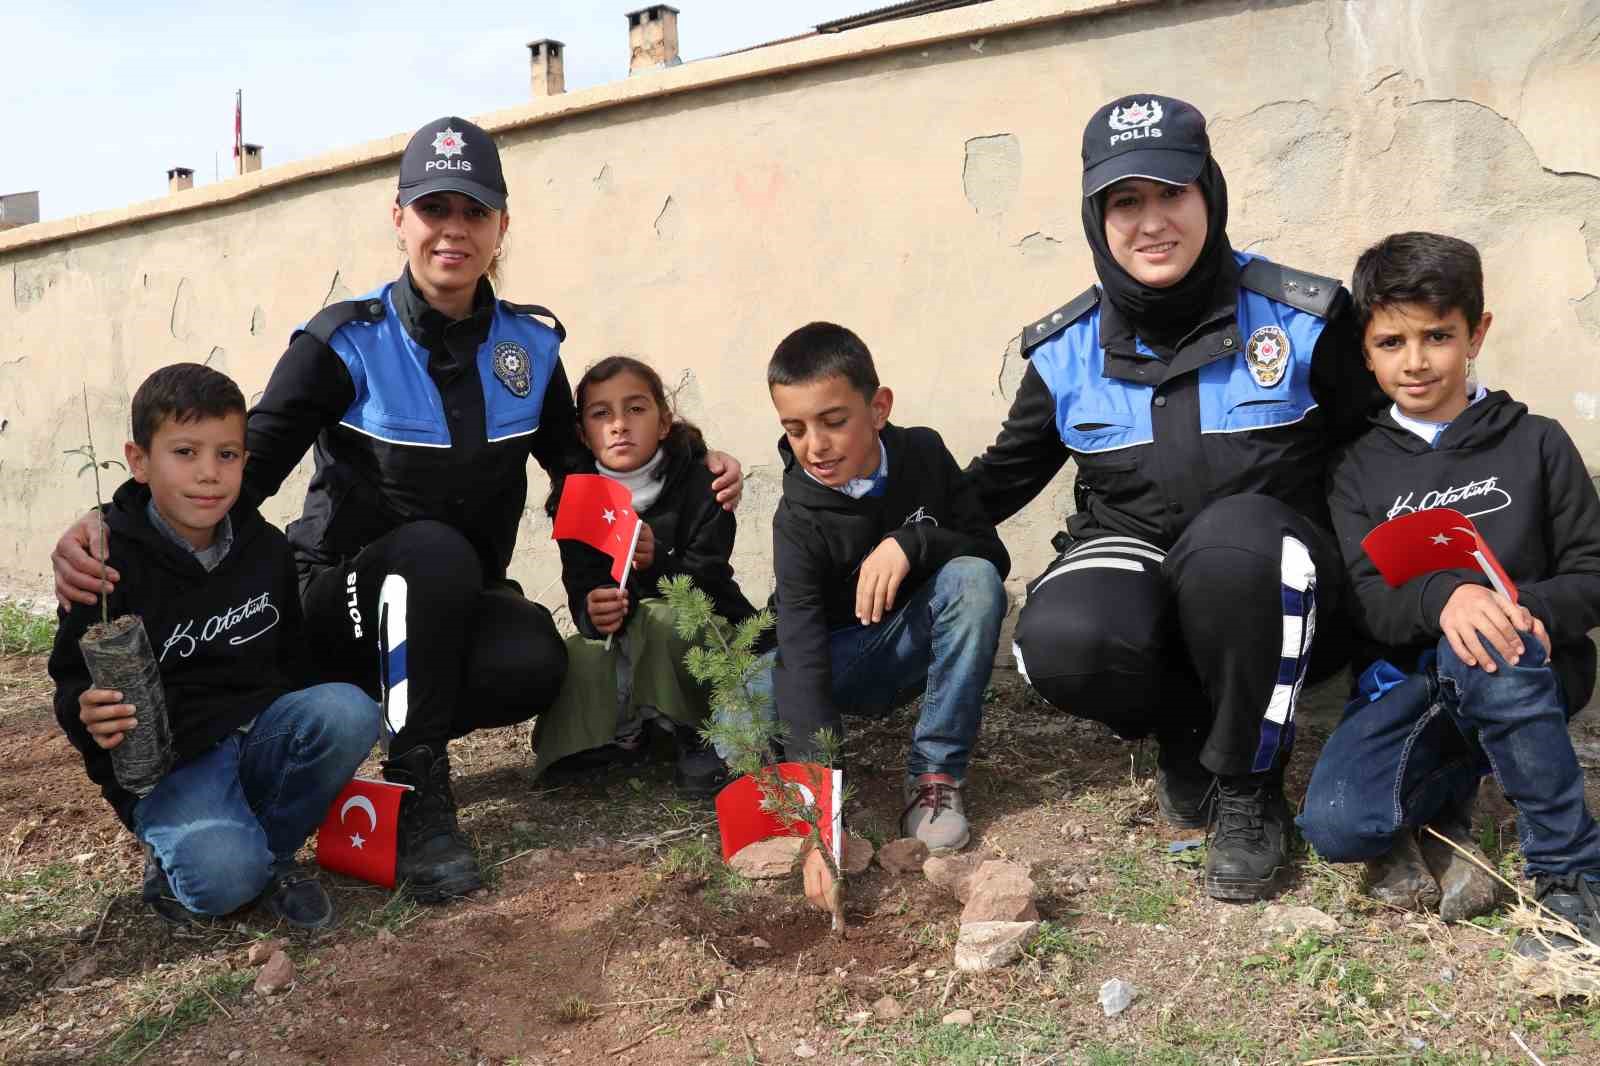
[
  {"x": 546, "y": 72},
  {"x": 250, "y": 161},
  {"x": 653, "y": 38},
  {"x": 179, "y": 179}
]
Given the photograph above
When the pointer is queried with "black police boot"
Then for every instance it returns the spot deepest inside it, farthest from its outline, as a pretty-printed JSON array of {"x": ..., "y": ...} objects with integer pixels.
[
  {"x": 1185, "y": 790},
  {"x": 1571, "y": 896},
  {"x": 700, "y": 772},
  {"x": 435, "y": 861},
  {"x": 1249, "y": 847}
]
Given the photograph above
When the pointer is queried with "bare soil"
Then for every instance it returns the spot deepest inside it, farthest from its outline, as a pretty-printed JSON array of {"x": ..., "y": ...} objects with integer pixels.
[{"x": 608, "y": 933}]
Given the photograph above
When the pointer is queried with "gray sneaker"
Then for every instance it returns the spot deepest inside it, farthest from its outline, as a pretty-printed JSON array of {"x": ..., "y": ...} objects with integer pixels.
[{"x": 935, "y": 813}]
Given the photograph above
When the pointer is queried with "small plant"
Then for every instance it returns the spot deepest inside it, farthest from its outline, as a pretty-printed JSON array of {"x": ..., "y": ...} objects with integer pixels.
[
  {"x": 92, "y": 461},
  {"x": 741, "y": 725}
]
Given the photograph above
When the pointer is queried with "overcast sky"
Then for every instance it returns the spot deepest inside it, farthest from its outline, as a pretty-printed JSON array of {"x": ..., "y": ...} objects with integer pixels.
[{"x": 101, "y": 97}]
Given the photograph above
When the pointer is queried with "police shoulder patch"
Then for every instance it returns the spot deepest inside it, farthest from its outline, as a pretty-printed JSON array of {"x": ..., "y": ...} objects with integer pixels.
[
  {"x": 331, "y": 319},
  {"x": 513, "y": 367},
  {"x": 535, "y": 311},
  {"x": 1308, "y": 292},
  {"x": 1037, "y": 332}
]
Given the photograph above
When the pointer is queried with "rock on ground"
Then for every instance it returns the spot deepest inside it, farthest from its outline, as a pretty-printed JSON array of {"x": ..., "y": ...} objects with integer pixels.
[
  {"x": 1281, "y": 919},
  {"x": 958, "y": 1017},
  {"x": 953, "y": 873},
  {"x": 1115, "y": 996},
  {"x": 887, "y": 1009},
  {"x": 1000, "y": 892},
  {"x": 857, "y": 855},
  {"x": 768, "y": 859},
  {"x": 262, "y": 950},
  {"x": 276, "y": 975},
  {"x": 990, "y": 945},
  {"x": 904, "y": 856}
]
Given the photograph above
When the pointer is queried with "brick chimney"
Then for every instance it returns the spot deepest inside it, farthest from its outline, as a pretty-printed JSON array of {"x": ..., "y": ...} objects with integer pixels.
[
  {"x": 179, "y": 179},
  {"x": 250, "y": 161},
  {"x": 652, "y": 38},
  {"x": 546, "y": 71}
]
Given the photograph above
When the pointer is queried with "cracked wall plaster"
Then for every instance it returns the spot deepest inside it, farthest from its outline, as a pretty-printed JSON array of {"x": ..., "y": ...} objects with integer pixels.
[{"x": 991, "y": 172}]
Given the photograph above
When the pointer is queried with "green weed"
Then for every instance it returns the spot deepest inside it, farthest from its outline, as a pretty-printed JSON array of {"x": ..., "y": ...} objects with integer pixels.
[
  {"x": 24, "y": 631},
  {"x": 1136, "y": 893},
  {"x": 200, "y": 1002}
]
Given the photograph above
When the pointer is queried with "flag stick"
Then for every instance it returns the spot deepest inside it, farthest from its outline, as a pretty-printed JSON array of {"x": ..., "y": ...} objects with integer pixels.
[
  {"x": 627, "y": 567},
  {"x": 1494, "y": 577}
]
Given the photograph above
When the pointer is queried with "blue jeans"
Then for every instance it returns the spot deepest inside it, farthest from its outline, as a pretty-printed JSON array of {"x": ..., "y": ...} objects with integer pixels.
[
  {"x": 1400, "y": 758},
  {"x": 942, "y": 640},
  {"x": 222, "y": 822}
]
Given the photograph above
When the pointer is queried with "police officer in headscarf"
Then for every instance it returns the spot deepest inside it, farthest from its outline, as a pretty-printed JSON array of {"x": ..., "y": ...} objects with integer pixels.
[
  {"x": 422, "y": 402},
  {"x": 1200, "y": 392}
]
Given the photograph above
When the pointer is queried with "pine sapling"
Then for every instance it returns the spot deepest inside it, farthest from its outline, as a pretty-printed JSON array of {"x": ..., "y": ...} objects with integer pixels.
[
  {"x": 742, "y": 726},
  {"x": 93, "y": 462}
]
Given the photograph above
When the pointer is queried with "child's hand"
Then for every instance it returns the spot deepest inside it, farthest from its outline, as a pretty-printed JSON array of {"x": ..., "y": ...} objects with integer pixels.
[
  {"x": 644, "y": 552},
  {"x": 1474, "y": 614},
  {"x": 608, "y": 609},
  {"x": 105, "y": 716},
  {"x": 879, "y": 580}
]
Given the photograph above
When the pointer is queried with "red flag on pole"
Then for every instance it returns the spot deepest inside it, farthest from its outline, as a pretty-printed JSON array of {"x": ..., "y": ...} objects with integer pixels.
[
  {"x": 357, "y": 838},
  {"x": 1438, "y": 538},
  {"x": 743, "y": 820},
  {"x": 599, "y": 512}
]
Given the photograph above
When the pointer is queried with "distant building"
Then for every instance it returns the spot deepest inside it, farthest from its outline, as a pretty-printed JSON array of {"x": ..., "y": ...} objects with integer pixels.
[{"x": 18, "y": 209}]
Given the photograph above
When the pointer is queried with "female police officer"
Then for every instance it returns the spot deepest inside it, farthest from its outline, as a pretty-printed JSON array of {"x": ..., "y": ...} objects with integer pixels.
[
  {"x": 424, "y": 400},
  {"x": 1200, "y": 392}
]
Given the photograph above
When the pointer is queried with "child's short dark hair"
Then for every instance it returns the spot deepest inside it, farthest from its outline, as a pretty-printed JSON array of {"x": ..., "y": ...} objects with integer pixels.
[
  {"x": 183, "y": 392},
  {"x": 1443, "y": 273},
  {"x": 821, "y": 350}
]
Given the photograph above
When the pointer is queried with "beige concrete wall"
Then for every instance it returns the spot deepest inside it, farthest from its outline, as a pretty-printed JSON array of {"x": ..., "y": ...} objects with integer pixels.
[{"x": 916, "y": 181}]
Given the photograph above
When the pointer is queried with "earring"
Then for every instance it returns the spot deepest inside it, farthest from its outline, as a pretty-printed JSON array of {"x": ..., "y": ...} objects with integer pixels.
[
  {"x": 400, "y": 243},
  {"x": 497, "y": 252}
]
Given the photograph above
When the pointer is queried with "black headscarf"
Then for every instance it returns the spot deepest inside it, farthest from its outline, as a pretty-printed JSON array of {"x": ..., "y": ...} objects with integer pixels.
[{"x": 1164, "y": 315}]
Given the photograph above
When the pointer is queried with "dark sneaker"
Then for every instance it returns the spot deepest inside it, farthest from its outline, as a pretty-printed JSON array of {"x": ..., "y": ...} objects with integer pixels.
[
  {"x": 700, "y": 772},
  {"x": 296, "y": 896},
  {"x": 1571, "y": 896},
  {"x": 157, "y": 892},
  {"x": 935, "y": 813},
  {"x": 1249, "y": 846},
  {"x": 1466, "y": 889},
  {"x": 435, "y": 861},
  {"x": 1185, "y": 790},
  {"x": 1401, "y": 878}
]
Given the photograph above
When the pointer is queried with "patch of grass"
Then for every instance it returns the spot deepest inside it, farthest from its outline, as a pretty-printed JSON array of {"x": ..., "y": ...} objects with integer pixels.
[
  {"x": 696, "y": 859},
  {"x": 397, "y": 912},
  {"x": 1008, "y": 1037},
  {"x": 56, "y": 894},
  {"x": 196, "y": 1004},
  {"x": 573, "y": 1010},
  {"x": 1055, "y": 940},
  {"x": 23, "y": 631},
  {"x": 1135, "y": 893}
]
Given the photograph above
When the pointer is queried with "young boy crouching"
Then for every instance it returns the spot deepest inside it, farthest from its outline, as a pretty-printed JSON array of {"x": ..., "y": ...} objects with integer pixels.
[
  {"x": 1462, "y": 681},
  {"x": 258, "y": 756}
]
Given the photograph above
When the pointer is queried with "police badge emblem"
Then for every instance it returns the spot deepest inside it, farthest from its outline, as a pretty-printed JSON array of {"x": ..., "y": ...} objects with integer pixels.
[
  {"x": 1268, "y": 355},
  {"x": 511, "y": 367}
]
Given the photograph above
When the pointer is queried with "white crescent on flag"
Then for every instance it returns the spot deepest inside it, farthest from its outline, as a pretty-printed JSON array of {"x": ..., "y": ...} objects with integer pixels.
[{"x": 362, "y": 803}]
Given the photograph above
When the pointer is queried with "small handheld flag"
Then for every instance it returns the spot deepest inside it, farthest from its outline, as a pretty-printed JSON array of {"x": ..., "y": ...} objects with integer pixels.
[
  {"x": 358, "y": 838},
  {"x": 743, "y": 819},
  {"x": 599, "y": 512},
  {"x": 1438, "y": 538}
]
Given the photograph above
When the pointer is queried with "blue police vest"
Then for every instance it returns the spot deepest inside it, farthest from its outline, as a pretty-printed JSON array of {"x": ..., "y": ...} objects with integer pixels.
[
  {"x": 1096, "y": 413},
  {"x": 398, "y": 403}
]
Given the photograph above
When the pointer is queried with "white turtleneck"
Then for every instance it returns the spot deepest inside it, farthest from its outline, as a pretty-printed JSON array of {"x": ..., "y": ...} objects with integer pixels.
[{"x": 642, "y": 483}]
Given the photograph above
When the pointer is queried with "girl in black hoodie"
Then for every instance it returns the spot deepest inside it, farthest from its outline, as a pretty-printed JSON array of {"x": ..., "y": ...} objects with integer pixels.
[{"x": 612, "y": 691}]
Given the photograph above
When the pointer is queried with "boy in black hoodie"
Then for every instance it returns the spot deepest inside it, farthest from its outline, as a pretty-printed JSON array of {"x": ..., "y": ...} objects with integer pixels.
[
  {"x": 889, "y": 575},
  {"x": 1457, "y": 680},
  {"x": 259, "y": 757}
]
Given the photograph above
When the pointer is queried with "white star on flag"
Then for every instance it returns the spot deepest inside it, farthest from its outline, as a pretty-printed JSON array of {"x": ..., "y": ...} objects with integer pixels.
[
  {"x": 1440, "y": 538},
  {"x": 356, "y": 840},
  {"x": 609, "y": 516}
]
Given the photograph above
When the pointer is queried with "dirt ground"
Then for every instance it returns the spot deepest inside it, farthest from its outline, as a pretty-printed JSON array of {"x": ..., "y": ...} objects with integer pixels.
[{"x": 609, "y": 933}]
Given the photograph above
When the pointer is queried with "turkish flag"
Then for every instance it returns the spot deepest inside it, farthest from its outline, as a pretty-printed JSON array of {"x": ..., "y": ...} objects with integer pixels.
[
  {"x": 1438, "y": 538},
  {"x": 599, "y": 512},
  {"x": 357, "y": 838},
  {"x": 743, "y": 820}
]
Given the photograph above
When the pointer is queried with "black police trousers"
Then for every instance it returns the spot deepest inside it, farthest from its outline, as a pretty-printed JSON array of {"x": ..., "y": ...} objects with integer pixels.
[
  {"x": 1205, "y": 645},
  {"x": 412, "y": 620}
]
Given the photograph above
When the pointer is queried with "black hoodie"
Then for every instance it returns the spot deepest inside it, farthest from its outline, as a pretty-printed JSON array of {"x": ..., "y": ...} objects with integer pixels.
[
  {"x": 228, "y": 641},
  {"x": 820, "y": 538},
  {"x": 693, "y": 535},
  {"x": 1520, "y": 479}
]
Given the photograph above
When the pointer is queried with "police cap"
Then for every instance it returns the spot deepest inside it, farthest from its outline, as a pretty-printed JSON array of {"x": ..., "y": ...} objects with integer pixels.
[
  {"x": 1144, "y": 136},
  {"x": 452, "y": 155}
]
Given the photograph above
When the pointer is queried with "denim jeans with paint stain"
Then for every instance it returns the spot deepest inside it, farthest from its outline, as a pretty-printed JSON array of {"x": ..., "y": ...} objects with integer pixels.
[
  {"x": 224, "y": 822},
  {"x": 1413, "y": 745}
]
